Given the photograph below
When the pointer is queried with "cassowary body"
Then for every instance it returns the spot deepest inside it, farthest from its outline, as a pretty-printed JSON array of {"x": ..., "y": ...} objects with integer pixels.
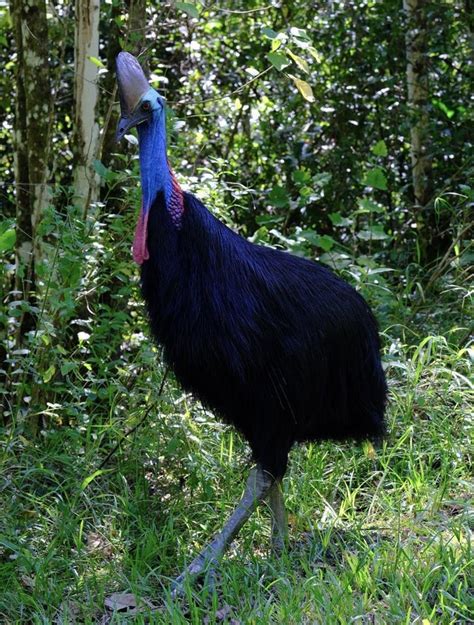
[{"x": 274, "y": 344}]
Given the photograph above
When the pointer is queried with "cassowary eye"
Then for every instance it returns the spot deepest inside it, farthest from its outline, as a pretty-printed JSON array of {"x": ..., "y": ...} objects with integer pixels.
[{"x": 146, "y": 106}]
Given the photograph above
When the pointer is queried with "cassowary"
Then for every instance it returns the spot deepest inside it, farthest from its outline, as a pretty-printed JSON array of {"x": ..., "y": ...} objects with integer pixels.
[{"x": 274, "y": 344}]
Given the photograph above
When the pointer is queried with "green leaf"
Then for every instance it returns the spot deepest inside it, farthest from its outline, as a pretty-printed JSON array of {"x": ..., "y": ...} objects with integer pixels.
[
  {"x": 315, "y": 54},
  {"x": 48, "y": 374},
  {"x": 301, "y": 176},
  {"x": 269, "y": 32},
  {"x": 302, "y": 64},
  {"x": 366, "y": 205},
  {"x": 276, "y": 43},
  {"x": 322, "y": 179},
  {"x": 304, "y": 88},
  {"x": 7, "y": 240},
  {"x": 299, "y": 34},
  {"x": 339, "y": 221},
  {"x": 188, "y": 8},
  {"x": 376, "y": 233},
  {"x": 90, "y": 478},
  {"x": 376, "y": 179},
  {"x": 97, "y": 62},
  {"x": 279, "y": 197},
  {"x": 67, "y": 366},
  {"x": 101, "y": 169},
  {"x": 280, "y": 61},
  {"x": 442, "y": 107},
  {"x": 269, "y": 220},
  {"x": 380, "y": 148},
  {"x": 311, "y": 236},
  {"x": 324, "y": 242}
]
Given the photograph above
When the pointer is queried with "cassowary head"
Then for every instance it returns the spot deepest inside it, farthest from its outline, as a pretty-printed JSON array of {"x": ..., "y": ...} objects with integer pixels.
[
  {"x": 139, "y": 102},
  {"x": 143, "y": 107}
]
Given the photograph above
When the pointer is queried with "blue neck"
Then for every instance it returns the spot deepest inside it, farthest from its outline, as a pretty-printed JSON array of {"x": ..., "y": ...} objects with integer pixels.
[{"x": 155, "y": 172}]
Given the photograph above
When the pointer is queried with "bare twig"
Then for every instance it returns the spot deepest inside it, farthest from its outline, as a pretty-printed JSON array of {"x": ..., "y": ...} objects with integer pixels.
[{"x": 135, "y": 427}]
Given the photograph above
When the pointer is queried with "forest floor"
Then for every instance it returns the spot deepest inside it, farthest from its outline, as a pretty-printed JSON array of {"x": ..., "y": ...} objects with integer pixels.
[{"x": 376, "y": 535}]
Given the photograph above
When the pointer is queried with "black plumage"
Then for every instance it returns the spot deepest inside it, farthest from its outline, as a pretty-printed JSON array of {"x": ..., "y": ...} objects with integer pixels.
[{"x": 275, "y": 344}]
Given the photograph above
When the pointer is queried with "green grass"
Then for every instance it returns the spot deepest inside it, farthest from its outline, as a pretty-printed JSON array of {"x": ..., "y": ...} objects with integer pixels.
[{"x": 377, "y": 536}]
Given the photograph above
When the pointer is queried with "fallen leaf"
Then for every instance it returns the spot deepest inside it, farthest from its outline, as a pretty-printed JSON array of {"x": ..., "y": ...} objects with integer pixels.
[{"x": 120, "y": 601}]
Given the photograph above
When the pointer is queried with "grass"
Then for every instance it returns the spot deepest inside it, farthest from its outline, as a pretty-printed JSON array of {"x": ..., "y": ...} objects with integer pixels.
[{"x": 377, "y": 535}]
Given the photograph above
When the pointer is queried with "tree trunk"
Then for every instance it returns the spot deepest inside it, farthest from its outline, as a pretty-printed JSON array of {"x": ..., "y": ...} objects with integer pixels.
[
  {"x": 85, "y": 97},
  {"x": 113, "y": 195},
  {"x": 135, "y": 37},
  {"x": 32, "y": 143},
  {"x": 418, "y": 104}
]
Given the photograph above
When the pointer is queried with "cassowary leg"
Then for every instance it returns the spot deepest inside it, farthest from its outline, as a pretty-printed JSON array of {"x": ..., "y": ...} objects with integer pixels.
[
  {"x": 279, "y": 518},
  {"x": 258, "y": 486}
]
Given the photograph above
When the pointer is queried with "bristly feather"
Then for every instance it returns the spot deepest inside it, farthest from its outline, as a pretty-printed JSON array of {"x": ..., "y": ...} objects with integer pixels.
[{"x": 275, "y": 344}]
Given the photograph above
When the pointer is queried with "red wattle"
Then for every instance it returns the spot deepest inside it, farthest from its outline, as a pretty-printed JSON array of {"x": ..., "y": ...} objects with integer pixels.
[{"x": 140, "y": 249}]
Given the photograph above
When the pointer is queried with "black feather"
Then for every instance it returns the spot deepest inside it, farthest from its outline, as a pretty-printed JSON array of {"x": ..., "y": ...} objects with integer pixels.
[{"x": 276, "y": 345}]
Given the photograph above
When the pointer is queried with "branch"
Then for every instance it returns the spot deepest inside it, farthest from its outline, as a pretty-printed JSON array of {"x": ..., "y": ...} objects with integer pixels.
[{"x": 135, "y": 427}]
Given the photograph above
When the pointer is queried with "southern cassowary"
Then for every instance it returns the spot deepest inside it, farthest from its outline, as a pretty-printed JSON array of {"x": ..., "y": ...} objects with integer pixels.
[{"x": 274, "y": 344}]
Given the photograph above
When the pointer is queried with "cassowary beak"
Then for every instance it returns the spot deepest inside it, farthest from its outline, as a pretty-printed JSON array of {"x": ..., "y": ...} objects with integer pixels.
[{"x": 132, "y": 86}]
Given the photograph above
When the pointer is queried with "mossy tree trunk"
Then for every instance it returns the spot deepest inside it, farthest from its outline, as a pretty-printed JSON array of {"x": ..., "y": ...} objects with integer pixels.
[
  {"x": 418, "y": 104},
  {"x": 32, "y": 145}
]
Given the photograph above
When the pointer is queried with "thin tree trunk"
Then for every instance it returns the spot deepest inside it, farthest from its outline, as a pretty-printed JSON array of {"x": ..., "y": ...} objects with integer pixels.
[
  {"x": 418, "y": 103},
  {"x": 109, "y": 144},
  {"x": 85, "y": 97},
  {"x": 135, "y": 37},
  {"x": 32, "y": 142}
]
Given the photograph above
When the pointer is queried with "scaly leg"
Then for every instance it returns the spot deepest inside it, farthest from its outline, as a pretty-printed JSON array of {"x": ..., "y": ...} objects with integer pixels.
[
  {"x": 279, "y": 518},
  {"x": 258, "y": 486}
]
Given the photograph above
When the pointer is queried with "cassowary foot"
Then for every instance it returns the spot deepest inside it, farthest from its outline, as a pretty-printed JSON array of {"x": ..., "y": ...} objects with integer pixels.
[
  {"x": 257, "y": 489},
  {"x": 279, "y": 519},
  {"x": 198, "y": 566}
]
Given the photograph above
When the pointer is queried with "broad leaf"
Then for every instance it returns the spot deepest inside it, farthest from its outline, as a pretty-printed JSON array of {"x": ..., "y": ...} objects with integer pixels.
[
  {"x": 380, "y": 148},
  {"x": 304, "y": 88},
  {"x": 188, "y": 8},
  {"x": 339, "y": 221},
  {"x": 279, "y": 197},
  {"x": 315, "y": 54},
  {"x": 301, "y": 176},
  {"x": 298, "y": 33},
  {"x": 269, "y": 32},
  {"x": 322, "y": 179},
  {"x": 366, "y": 205},
  {"x": 269, "y": 220},
  {"x": 7, "y": 240},
  {"x": 276, "y": 43},
  {"x": 48, "y": 374},
  {"x": 100, "y": 168},
  {"x": 279, "y": 61},
  {"x": 302, "y": 64},
  {"x": 376, "y": 233},
  {"x": 325, "y": 242},
  {"x": 376, "y": 179}
]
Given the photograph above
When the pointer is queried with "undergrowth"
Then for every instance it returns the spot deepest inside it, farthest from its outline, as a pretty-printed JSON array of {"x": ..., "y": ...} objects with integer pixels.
[{"x": 378, "y": 535}]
